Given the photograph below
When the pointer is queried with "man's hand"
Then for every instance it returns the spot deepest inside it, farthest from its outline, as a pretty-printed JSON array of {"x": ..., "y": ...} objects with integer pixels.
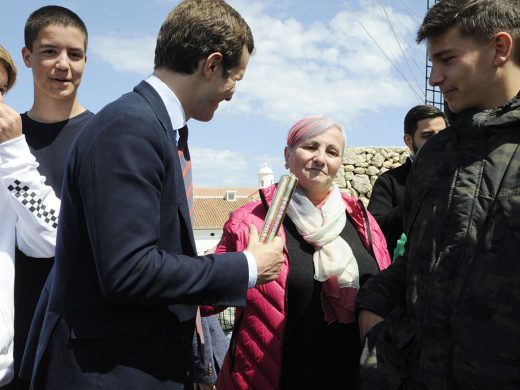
[
  {"x": 367, "y": 320},
  {"x": 10, "y": 123},
  {"x": 269, "y": 257}
]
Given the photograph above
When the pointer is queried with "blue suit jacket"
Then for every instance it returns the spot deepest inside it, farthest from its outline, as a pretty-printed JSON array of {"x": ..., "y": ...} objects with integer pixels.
[{"x": 120, "y": 310}]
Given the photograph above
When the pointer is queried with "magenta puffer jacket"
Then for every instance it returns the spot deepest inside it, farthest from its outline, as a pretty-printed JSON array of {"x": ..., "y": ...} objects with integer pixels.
[{"x": 255, "y": 353}]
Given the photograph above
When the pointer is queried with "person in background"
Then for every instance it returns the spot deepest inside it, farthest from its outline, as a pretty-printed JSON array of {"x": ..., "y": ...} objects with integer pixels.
[
  {"x": 210, "y": 344},
  {"x": 26, "y": 208},
  {"x": 55, "y": 50},
  {"x": 227, "y": 321},
  {"x": 8, "y": 72},
  {"x": 126, "y": 280},
  {"x": 445, "y": 315},
  {"x": 209, "y": 355},
  {"x": 300, "y": 331},
  {"x": 387, "y": 199}
]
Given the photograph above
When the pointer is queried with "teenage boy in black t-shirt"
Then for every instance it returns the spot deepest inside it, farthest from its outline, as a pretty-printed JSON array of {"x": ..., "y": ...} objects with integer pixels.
[{"x": 55, "y": 50}]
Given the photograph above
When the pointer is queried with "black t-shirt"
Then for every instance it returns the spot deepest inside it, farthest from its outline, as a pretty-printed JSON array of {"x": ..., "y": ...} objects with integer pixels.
[
  {"x": 316, "y": 354},
  {"x": 50, "y": 144}
]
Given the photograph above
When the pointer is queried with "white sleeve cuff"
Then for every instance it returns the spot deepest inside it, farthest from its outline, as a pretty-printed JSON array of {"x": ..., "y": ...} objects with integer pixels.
[
  {"x": 253, "y": 269},
  {"x": 13, "y": 141},
  {"x": 15, "y": 156}
]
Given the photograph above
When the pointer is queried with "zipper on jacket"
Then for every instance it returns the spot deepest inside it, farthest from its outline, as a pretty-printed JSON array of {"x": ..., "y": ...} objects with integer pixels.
[{"x": 233, "y": 341}]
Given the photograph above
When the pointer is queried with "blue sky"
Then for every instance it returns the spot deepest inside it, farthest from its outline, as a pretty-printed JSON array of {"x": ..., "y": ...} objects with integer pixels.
[{"x": 354, "y": 60}]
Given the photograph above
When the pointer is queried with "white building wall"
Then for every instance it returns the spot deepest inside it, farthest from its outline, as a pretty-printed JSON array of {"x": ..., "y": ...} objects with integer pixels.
[{"x": 206, "y": 239}]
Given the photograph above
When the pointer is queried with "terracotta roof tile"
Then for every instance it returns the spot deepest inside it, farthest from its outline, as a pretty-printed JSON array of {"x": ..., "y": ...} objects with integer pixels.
[
  {"x": 213, "y": 213},
  {"x": 221, "y": 192},
  {"x": 211, "y": 209}
]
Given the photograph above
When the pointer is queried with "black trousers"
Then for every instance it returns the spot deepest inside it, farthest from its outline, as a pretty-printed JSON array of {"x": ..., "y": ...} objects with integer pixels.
[{"x": 16, "y": 384}]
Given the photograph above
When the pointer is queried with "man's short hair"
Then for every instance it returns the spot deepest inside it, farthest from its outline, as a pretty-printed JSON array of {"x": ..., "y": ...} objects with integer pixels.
[
  {"x": 478, "y": 19},
  {"x": 51, "y": 15},
  {"x": 196, "y": 28},
  {"x": 10, "y": 67},
  {"x": 420, "y": 112}
]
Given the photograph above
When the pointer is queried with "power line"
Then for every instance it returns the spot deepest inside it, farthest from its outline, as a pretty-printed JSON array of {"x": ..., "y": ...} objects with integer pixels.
[
  {"x": 419, "y": 95},
  {"x": 400, "y": 46},
  {"x": 432, "y": 95},
  {"x": 405, "y": 6},
  {"x": 391, "y": 62},
  {"x": 407, "y": 9}
]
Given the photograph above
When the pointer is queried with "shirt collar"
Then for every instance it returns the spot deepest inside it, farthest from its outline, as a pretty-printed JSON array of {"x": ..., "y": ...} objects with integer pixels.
[{"x": 172, "y": 103}]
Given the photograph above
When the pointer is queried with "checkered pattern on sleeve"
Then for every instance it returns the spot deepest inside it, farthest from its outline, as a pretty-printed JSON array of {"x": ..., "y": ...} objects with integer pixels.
[
  {"x": 34, "y": 204},
  {"x": 227, "y": 318}
]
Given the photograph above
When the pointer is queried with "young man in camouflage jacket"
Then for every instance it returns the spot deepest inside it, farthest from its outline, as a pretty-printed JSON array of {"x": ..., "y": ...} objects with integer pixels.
[{"x": 450, "y": 304}]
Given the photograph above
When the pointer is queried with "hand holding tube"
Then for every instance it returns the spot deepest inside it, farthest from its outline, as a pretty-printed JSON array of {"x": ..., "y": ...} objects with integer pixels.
[{"x": 278, "y": 207}]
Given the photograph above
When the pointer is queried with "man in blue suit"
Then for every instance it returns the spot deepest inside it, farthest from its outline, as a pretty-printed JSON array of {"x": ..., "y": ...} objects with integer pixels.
[{"x": 121, "y": 302}]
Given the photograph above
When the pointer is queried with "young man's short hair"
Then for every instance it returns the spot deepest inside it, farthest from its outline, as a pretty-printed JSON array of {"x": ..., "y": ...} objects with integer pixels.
[
  {"x": 420, "y": 112},
  {"x": 7, "y": 61},
  {"x": 196, "y": 28},
  {"x": 51, "y": 15},
  {"x": 479, "y": 19}
]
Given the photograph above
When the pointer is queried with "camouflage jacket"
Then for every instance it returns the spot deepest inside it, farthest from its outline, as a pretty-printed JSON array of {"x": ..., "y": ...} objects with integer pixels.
[{"x": 452, "y": 302}]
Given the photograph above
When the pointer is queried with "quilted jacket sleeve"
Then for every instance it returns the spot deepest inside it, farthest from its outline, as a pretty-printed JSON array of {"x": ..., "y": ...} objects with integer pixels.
[{"x": 234, "y": 239}]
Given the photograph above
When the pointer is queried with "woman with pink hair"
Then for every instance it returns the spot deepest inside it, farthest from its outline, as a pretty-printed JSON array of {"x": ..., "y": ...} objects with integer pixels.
[{"x": 300, "y": 331}]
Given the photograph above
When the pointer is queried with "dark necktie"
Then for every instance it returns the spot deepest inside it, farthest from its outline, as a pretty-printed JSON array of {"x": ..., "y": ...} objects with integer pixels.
[{"x": 184, "y": 158}]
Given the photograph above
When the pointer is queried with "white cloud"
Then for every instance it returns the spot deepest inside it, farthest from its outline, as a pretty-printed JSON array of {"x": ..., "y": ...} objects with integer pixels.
[
  {"x": 125, "y": 54},
  {"x": 216, "y": 168},
  {"x": 328, "y": 67}
]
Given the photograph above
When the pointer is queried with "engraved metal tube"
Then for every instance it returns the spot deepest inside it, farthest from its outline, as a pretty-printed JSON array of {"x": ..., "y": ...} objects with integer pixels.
[{"x": 278, "y": 208}]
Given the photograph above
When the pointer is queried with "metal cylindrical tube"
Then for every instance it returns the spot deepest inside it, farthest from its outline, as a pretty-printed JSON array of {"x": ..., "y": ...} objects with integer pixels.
[{"x": 278, "y": 208}]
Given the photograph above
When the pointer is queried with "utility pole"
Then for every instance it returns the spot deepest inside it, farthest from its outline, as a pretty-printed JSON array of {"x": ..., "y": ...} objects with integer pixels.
[{"x": 433, "y": 95}]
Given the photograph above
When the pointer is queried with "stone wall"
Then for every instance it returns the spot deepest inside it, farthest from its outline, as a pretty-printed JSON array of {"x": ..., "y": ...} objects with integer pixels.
[{"x": 361, "y": 166}]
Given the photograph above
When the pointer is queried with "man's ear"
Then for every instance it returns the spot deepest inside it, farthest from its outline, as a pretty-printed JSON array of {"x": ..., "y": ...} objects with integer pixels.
[
  {"x": 26, "y": 55},
  {"x": 503, "y": 47},
  {"x": 408, "y": 140},
  {"x": 212, "y": 63}
]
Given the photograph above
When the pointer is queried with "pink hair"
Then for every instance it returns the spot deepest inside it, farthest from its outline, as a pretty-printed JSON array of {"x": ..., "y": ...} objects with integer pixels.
[{"x": 309, "y": 127}]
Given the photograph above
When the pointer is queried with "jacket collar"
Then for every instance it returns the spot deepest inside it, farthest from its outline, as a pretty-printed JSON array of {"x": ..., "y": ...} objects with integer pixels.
[
  {"x": 154, "y": 100},
  {"x": 157, "y": 105},
  {"x": 354, "y": 209},
  {"x": 356, "y": 213},
  {"x": 473, "y": 123}
]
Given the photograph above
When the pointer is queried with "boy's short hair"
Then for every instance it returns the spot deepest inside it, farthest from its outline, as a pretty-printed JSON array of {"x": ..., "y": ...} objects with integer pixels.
[
  {"x": 10, "y": 67},
  {"x": 196, "y": 28},
  {"x": 418, "y": 113},
  {"x": 51, "y": 15},
  {"x": 478, "y": 19}
]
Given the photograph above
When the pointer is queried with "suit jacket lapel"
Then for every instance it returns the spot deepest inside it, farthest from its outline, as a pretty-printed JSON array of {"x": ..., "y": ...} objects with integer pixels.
[{"x": 157, "y": 105}]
